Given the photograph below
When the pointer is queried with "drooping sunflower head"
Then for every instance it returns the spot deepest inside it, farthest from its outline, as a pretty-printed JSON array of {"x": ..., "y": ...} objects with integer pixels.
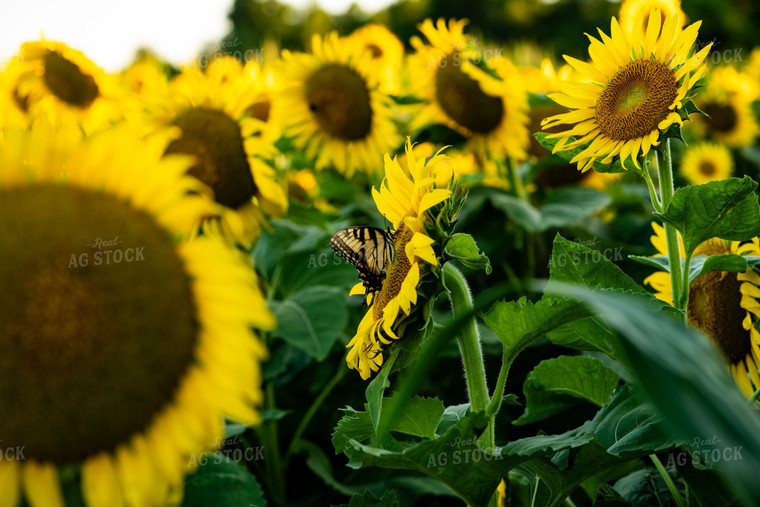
[
  {"x": 723, "y": 305},
  {"x": 211, "y": 109},
  {"x": 634, "y": 14},
  {"x": 636, "y": 90},
  {"x": 53, "y": 81},
  {"x": 332, "y": 107},
  {"x": 706, "y": 162},
  {"x": 727, "y": 102},
  {"x": 387, "y": 53},
  {"x": 490, "y": 108},
  {"x": 406, "y": 198},
  {"x": 127, "y": 347}
]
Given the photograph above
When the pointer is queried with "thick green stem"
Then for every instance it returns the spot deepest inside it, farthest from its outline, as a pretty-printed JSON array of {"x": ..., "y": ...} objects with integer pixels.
[
  {"x": 678, "y": 283},
  {"x": 469, "y": 345}
]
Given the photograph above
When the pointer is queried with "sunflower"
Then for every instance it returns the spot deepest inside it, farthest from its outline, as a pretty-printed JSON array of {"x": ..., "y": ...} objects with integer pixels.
[
  {"x": 212, "y": 110},
  {"x": 387, "y": 54},
  {"x": 706, "y": 162},
  {"x": 637, "y": 90},
  {"x": 51, "y": 80},
  {"x": 108, "y": 394},
  {"x": 723, "y": 305},
  {"x": 332, "y": 106},
  {"x": 630, "y": 11},
  {"x": 727, "y": 101},
  {"x": 405, "y": 197},
  {"x": 489, "y": 108},
  {"x": 267, "y": 85}
]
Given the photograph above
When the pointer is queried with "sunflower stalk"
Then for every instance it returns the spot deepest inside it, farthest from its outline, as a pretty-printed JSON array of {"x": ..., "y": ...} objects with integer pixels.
[
  {"x": 472, "y": 355},
  {"x": 678, "y": 271}
]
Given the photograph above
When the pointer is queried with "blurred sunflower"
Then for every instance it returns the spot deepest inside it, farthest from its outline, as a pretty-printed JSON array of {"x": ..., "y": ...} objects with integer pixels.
[
  {"x": 706, "y": 162},
  {"x": 212, "y": 111},
  {"x": 636, "y": 91},
  {"x": 489, "y": 108},
  {"x": 332, "y": 106},
  {"x": 723, "y": 305},
  {"x": 727, "y": 101},
  {"x": 60, "y": 84},
  {"x": 267, "y": 85},
  {"x": 630, "y": 9},
  {"x": 92, "y": 265},
  {"x": 387, "y": 54},
  {"x": 405, "y": 198}
]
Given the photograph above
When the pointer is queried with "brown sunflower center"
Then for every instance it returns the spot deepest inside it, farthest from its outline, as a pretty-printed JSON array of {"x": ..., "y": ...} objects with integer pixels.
[
  {"x": 722, "y": 118},
  {"x": 396, "y": 272},
  {"x": 715, "y": 308},
  {"x": 217, "y": 143},
  {"x": 462, "y": 100},
  {"x": 67, "y": 81},
  {"x": 339, "y": 100},
  {"x": 97, "y": 322},
  {"x": 635, "y": 100},
  {"x": 377, "y": 52},
  {"x": 707, "y": 168},
  {"x": 260, "y": 110}
]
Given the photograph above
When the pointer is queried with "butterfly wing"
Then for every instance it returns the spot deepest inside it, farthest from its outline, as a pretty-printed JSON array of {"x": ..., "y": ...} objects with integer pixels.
[{"x": 369, "y": 249}]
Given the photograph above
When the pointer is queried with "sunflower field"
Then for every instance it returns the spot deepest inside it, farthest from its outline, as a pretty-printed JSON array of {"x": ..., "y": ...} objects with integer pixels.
[{"x": 474, "y": 253}]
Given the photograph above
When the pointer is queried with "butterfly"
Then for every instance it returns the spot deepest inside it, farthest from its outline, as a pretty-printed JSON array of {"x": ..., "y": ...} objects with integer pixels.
[{"x": 368, "y": 248}]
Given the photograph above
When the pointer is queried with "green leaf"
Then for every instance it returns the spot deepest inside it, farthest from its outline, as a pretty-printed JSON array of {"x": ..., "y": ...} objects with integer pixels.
[
  {"x": 725, "y": 209},
  {"x": 223, "y": 482},
  {"x": 700, "y": 264},
  {"x": 559, "y": 383},
  {"x": 576, "y": 263},
  {"x": 233, "y": 429},
  {"x": 519, "y": 323},
  {"x": 708, "y": 487},
  {"x": 353, "y": 425},
  {"x": 376, "y": 388},
  {"x": 562, "y": 208},
  {"x": 368, "y": 499},
  {"x": 319, "y": 463},
  {"x": 584, "y": 334},
  {"x": 684, "y": 377},
  {"x": 451, "y": 415},
  {"x": 420, "y": 416},
  {"x": 627, "y": 425},
  {"x": 454, "y": 459},
  {"x": 274, "y": 414},
  {"x": 568, "y": 155},
  {"x": 463, "y": 248},
  {"x": 311, "y": 319}
]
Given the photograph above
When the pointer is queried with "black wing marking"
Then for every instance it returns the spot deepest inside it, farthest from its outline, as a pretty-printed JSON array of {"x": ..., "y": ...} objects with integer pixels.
[{"x": 369, "y": 249}]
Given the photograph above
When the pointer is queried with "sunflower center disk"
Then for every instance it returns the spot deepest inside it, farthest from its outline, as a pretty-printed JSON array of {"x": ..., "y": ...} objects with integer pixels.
[
  {"x": 396, "y": 272},
  {"x": 217, "y": 143},
  {"x": 721, "y": 118},
  {"x": 635, "y": 100},
  {"x": 715, "y": 308},
  {"x": 462, "y": 99},
  {"x": 707, "y": 168},
  {"x": 375, "y": 49},
  {"x": 339, "y": 100},
  {"x": 67, "y": 82},
  {"x": 97, "y": 322},
  {"x": 260, "y": 110}
]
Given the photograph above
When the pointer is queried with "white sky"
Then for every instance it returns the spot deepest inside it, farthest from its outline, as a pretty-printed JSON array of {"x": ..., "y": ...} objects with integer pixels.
[{"x": 110, "y": 31}]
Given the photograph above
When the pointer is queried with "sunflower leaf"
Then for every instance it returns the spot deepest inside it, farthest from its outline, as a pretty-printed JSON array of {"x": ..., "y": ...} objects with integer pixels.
[
  {"x": 311, "y": 319},
  {"x": 683, "y": 376},
  {"x": 558, "y": 383},
  {"x": 369, "y": 500},
  {"x": 725, "y": 209},
  {"x": 702, "y": 264},
  {"x": 462, "y": 247},
  {"x": 223, "y": 482}
]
